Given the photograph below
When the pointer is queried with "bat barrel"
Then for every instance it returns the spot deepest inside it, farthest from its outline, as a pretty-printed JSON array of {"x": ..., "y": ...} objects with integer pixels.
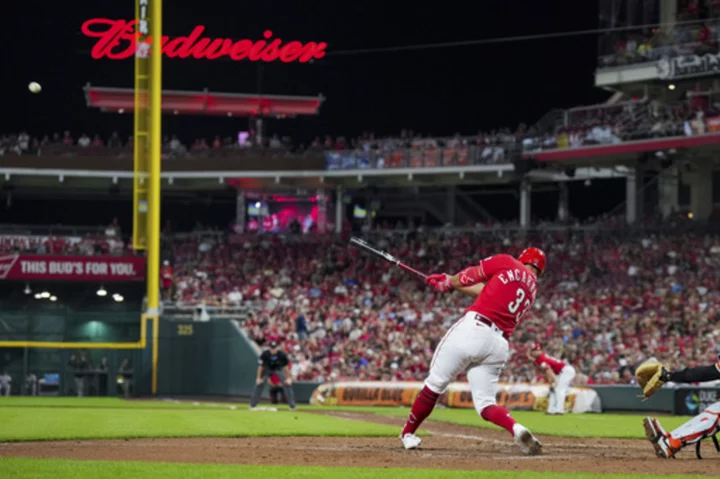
[
  {"x": 384, "y": 255},
  {"x": 364, "y": 245}
]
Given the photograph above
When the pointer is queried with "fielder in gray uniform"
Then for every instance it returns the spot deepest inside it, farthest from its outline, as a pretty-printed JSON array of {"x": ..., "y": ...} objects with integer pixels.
[{"x": 273, "y": 361}]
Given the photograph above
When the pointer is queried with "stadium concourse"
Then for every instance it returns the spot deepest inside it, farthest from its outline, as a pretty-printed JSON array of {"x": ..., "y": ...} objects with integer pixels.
[{"x": 611, "y": 297}]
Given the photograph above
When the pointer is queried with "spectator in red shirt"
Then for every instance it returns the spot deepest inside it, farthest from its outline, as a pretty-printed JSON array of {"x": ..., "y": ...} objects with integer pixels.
[{"x": 166, "y": 275}]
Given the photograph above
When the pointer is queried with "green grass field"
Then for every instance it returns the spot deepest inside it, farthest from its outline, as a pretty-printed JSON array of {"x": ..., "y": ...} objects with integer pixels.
[
  {"x": 37, "y": 419},
  {"x": 63, "y": 469},
  {"x": 66, "y": 418}
]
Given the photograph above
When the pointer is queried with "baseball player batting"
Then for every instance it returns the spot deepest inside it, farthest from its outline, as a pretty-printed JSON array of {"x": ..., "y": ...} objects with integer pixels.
[
  {"x": 558, "y": 374},
  {"x": 504, "y": 289},
  {"x": 651, "y": 377}
]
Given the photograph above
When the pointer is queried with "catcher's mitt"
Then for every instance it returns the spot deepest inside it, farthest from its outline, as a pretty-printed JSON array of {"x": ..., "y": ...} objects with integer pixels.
[{"x": 651, "y": 378}]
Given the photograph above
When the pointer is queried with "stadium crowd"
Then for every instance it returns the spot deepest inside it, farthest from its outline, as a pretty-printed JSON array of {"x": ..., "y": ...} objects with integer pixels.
[
  {"x": 609, "y": 300},
  {"x": 584, "y": 126},
  {"x": 104, "y": 240},
  {"x": 696, "y": 33}
]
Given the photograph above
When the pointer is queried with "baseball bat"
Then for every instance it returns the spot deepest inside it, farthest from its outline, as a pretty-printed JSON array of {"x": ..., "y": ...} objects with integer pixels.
[{"x": 364, "y": 245}]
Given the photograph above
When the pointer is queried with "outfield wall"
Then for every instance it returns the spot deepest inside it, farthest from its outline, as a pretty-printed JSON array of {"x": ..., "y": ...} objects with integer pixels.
[
  {"x": 56, "y": 323},
  {"x": 205, "y": 359},
  {"x": 211, "y": 358},
  {"x": 617, "y": 398},
  {"x": 529, "y": 397},
  {"x": 215, "y": 358}
]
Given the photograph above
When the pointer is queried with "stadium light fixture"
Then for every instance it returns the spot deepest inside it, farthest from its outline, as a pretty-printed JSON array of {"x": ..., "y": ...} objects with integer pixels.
[
  {"x": 53, "y": 298},
  {"x": 118, "y": 298},
  {"x": 102, "y": 291},
  {"x": 44, "y": 295},
  {"x": 671, "y": 86},
  {"x": 27, "y": 289},
  {"x": 38, "y": 296}
]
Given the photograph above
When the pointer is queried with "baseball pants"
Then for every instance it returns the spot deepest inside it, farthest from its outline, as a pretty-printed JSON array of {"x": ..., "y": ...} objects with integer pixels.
[
  {"x": 257, "y": 392},
  {"x": 472, "y": 346},
  {"x": 556, "y": 400},
  {"x": 705, "y": 424}
]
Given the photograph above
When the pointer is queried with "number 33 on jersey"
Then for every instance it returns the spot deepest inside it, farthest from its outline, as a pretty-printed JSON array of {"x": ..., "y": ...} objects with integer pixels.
[
  {"x": 508, "y": 294},
  {"x": 521, "y": 304}
]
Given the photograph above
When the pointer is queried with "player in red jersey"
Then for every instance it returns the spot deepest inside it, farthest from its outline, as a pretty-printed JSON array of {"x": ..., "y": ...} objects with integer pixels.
[
  {"x": 504, "y": 289},
  {"x": 559, "y": 376}
]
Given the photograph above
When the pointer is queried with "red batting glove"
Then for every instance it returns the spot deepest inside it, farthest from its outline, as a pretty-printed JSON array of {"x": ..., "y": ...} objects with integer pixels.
[{"x": 439, "y": 282}]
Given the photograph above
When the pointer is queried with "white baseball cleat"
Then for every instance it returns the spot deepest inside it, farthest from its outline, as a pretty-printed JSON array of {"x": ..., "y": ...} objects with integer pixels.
[
  {"x": 658, "y": 437},
  {"x": 411, "y": 441},
  {"x": 528, "y": 443}
]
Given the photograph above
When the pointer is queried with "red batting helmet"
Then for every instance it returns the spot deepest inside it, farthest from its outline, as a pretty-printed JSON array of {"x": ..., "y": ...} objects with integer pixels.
[{"x": 533, "y": 257}]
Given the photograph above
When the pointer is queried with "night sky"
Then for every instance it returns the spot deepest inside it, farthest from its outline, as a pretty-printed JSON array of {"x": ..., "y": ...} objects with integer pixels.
[
  {"x": 433, "y": 91},
  {"x": 438, "y": 91}
]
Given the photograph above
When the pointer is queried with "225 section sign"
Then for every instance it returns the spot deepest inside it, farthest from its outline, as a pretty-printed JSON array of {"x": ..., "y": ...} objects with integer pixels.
[{"x": 72, "y": 268}]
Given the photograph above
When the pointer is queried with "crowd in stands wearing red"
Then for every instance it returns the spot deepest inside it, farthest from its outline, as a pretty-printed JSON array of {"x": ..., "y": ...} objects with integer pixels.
[{"x": 607, "y": 302}]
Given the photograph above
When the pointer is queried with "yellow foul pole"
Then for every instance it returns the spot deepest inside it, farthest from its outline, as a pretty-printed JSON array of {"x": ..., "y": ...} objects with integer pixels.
[
  {"x": 141, "y": 128},
  {"x": 153, "y": 217}
]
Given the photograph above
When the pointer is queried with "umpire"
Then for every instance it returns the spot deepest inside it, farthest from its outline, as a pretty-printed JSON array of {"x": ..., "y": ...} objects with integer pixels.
[{"x": 273, "y": 361}]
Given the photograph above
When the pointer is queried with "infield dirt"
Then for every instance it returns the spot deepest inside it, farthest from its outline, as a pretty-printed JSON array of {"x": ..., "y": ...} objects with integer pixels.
[{"x": 449, "y": 447}]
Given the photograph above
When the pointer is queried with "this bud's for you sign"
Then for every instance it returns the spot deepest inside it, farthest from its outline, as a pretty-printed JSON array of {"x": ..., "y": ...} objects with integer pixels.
[{"x": 72, "y": 268}]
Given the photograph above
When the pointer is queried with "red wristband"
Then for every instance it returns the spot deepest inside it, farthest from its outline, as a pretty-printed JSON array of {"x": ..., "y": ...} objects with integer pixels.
[{"x": 469, "y": 276}]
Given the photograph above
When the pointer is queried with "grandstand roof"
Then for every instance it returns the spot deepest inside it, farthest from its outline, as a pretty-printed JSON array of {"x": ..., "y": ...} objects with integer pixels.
[{"x": 178, "y": 102}]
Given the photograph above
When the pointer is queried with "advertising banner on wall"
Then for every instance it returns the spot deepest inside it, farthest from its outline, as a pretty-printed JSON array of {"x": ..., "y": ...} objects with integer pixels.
[
  {"x": 685, "y": 66},
  {"x": 72, "y": 268},
  {"x": 531, "y": 397},
  {"x": 693, "y": 401}
]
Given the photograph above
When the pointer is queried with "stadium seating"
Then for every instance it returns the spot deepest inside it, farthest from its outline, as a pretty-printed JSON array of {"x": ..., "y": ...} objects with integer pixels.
[
  {"x": 576, "y": 127},
  {"x": 611, "y": 298}
]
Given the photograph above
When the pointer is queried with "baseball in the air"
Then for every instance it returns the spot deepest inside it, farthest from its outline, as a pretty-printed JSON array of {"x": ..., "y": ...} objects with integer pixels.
[{"x": 34, "y": 87}]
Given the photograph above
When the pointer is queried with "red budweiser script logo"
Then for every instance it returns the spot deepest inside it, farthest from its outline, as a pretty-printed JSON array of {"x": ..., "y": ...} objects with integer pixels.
[{"x": 118, "y": 40}]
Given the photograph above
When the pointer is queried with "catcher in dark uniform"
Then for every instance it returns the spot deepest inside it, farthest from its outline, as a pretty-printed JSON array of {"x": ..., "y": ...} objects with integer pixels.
[
  {"x": 273, "y": 361},
  {"x": 651, "y": 377}
]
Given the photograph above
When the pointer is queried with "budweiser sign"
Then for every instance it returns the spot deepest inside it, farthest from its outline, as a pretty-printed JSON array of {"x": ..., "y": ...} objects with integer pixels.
[{"x": 118, "y": 40}]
